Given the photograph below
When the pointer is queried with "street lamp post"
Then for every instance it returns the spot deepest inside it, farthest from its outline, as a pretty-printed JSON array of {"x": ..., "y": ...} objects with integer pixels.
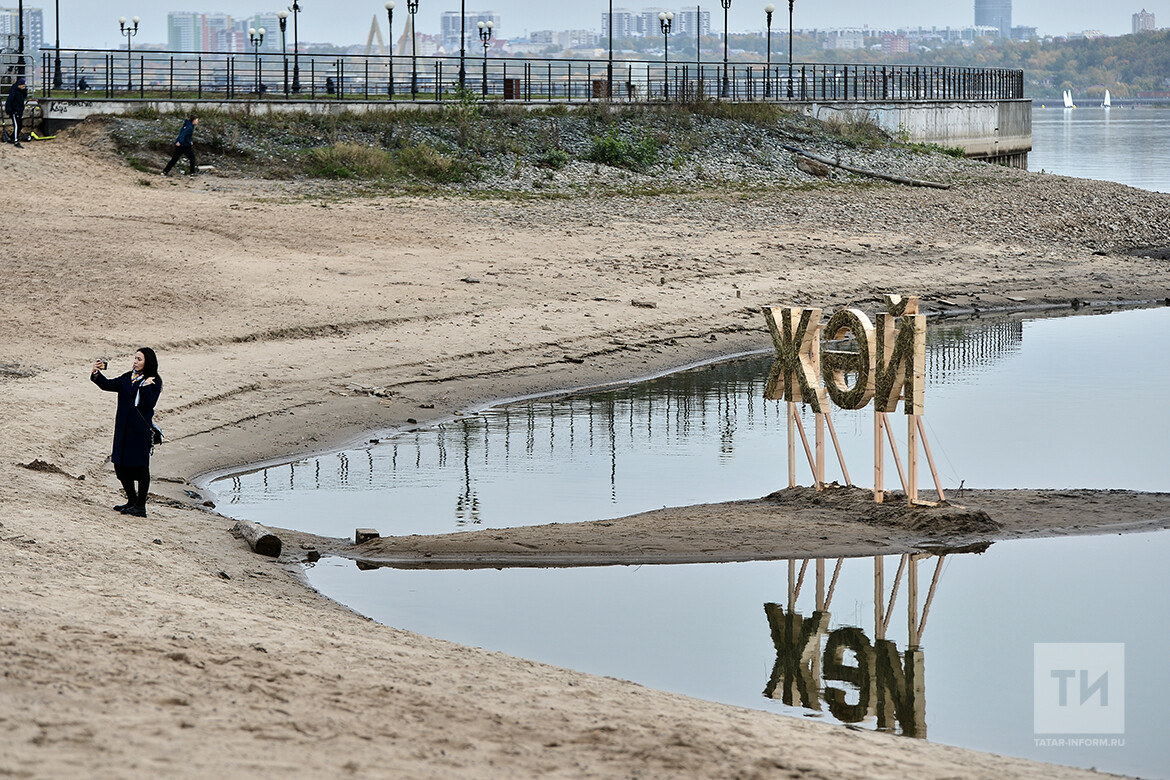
[
  {"x": 412, "y": 9},
  {"x": 129, "y": 31},
  {"x": 256, "y": 38},
  {"x": 769, "y": 9},
  {"x": 296, "y": 10},
  {"x": 790, "y": 2},
  {"x": 20, "y": 38},
  {"x": 283, "y": 17},
  {"x": 726, "y": 91},
  {"x": 485, "y": 35},
  {"x": 463, "y": 43},
  {"x": 57, "y": 82},
  {"x": 699, "y": 37},
  {"x": 609, "y": 67},
  {"x": 664, "y": 21},
  {"x": 390, "y": 45}
]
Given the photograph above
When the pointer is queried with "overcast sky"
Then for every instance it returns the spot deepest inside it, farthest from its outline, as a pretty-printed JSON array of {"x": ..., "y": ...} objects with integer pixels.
[{"x": 90, "y": 23}]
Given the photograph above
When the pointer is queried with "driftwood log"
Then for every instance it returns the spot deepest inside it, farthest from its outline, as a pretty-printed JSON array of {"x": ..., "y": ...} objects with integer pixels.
[
  {"x": 259, "y": 538},
  {"x": 863, "y": 171}
]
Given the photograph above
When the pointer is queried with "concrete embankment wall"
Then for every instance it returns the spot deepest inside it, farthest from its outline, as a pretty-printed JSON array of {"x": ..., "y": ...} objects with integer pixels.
[{"x": 997, "y": 131}]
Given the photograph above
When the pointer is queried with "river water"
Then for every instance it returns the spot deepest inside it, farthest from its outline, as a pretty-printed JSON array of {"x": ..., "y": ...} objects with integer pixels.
[
  {"x": 1126, "y": 145},
  {"x": 1014, "y": 402}
]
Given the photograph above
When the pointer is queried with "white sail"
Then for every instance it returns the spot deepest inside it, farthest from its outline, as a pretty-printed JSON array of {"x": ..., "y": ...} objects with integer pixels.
[
  {"x": 1068, "y": 99},
  {"x": 1107, "y": 102}
]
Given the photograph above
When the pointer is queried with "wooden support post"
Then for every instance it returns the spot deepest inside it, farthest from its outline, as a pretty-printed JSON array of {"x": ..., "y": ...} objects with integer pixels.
[
  {"x": 791, "y": 585},
  {"x": 800, "y": 579},
  {"x": 913, "y": 637},
  {"x": 807, "y": 450},
  {"x": 791, "y": 444},
  {"x": 894, "y": 449},
  {"x": 930, "y": 594},
  {"x": 820, "y": 443},
  {"x": 930, "y": 460},
  {"x": 820, "y": 584},
  {"x": 259, "y": 538},
  {"x": 879, "y": 449},
  {"x": 896, "y": 588},
  {"x": 819, "y": 467},
  {"x": 837, "y": 447},
  {"x": 833, "y": 583},
  {"x": 911, "y": 458}
]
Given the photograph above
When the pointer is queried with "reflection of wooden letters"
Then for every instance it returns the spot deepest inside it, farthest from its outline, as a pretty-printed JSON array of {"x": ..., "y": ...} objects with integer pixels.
[
  {"x": 797, "y": 669},
  {"x": 857, "y": 679}
]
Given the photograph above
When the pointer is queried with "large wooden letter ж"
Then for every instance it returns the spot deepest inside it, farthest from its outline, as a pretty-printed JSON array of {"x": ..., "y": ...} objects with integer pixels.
[
  {"x": 836, "y": 364},
  {"x": 794, "y": 373},
  {"x": 901, "y": 357}
]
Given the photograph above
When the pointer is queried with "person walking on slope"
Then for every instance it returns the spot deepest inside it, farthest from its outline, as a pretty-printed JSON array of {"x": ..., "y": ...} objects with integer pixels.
[
  {"x": 184, "y": 145},
  {"x": 14, "y": 107}
]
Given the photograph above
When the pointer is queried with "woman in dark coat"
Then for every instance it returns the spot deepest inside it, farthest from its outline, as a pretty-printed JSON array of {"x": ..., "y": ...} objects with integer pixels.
[{"x": 138, "y": 392}]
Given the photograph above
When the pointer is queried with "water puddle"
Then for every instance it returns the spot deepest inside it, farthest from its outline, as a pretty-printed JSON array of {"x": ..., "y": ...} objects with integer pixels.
[
  {"x": 1048, "y": 403},
  {"x": 1038, "y": 403},
  {"x": 744, "y": 634}
]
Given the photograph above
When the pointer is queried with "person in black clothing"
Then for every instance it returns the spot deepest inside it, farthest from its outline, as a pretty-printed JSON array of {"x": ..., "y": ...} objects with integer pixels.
[
  {"x": 184, "y": 145},
  {"x": 138, "y": 391},
  {"x": 14, "y": 107}
]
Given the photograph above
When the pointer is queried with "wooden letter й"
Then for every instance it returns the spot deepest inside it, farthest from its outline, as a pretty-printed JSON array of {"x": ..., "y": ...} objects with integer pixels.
[
  {"x": 795, "y": 375},
  {"x": 901, "y": 356}
]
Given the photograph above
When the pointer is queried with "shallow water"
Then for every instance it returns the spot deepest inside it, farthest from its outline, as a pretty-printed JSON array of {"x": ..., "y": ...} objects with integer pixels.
[
  {"x": 702, "y": 630},
  {"x": 1044, "y": 403}
]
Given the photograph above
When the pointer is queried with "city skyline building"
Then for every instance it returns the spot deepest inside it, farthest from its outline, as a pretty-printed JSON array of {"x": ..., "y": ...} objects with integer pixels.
[
  {"x": 644, "y": 23},
  {"x": 220, "y": 33},
  {"x": 994, "y": 13},
  {"x": 449, "y": 29},
  {"x": 624, "y": 25},
  {"x": 692, "y": 22},
  {"x": 34, "y": 27},
  {"x": 1143, "y": 21}
]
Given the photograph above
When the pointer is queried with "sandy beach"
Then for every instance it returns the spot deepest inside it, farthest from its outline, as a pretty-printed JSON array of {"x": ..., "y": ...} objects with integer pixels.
[{"x": 290, "y": 321}]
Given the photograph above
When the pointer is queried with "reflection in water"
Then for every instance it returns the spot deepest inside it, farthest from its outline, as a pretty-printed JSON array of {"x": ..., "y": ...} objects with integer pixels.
[
  {"x": 837, "y": 641},
  {"x": 610, "y": 436},
  {"x": 857, "y": 678}
]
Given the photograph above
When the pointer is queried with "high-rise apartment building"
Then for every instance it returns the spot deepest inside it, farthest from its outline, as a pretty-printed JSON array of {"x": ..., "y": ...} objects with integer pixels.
[
  {"x": 34, "y": 27},
  {"x": 692, "y": 23},
  {"x": 194, "y": 31},
  {"x": 994, "y": 13},
  {"x": 646, "y": 22},
  {"x": 270, "y": 23},
  {"x": 1143, "y": 21},
  {"x": 624, "y": 25},
  {"x": 449, "y": 29}
]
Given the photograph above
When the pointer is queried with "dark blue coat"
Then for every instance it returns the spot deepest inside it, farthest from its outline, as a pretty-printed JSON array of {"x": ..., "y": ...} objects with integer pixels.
[
  {"x": 14, "y": 103},
  {"x": 186, "y": 133},
  {"x": 131, "y": 425}
]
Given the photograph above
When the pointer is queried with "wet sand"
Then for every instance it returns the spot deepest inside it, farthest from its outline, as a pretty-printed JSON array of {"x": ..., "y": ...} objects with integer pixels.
[{"x": 792, "y": 523}]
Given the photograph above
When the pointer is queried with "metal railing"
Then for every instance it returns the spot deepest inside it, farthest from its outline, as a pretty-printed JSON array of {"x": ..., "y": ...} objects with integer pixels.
[{"x": 104, "y": 74}]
